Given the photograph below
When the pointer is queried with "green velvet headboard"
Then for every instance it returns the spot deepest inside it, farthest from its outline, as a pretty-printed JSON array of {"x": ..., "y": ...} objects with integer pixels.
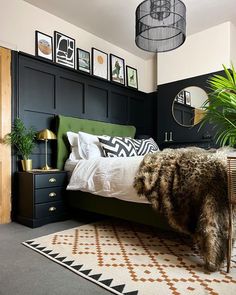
[{"x": 93, "y": 127}]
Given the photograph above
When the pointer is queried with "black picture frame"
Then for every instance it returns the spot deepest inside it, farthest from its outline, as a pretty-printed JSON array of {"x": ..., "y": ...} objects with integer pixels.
[
  {"x": 187, "y": 97},
  {"x": 117, "y": 69},
  {"x": 99, "y": 63},
  {"x": 131, "y": 77},
  {"x": 83, "y": 60},
  {"x": 64, "y": 50},
  {"x": 180, "y": 97},
  {"x": 43, "y": 45}
]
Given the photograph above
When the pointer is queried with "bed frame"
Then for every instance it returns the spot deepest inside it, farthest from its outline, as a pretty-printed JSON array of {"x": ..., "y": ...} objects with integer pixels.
[{"x": 137, "y": 212}]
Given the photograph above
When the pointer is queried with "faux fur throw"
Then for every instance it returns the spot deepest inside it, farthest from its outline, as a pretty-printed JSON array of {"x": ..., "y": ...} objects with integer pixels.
[{"x": 189, "y": 186}]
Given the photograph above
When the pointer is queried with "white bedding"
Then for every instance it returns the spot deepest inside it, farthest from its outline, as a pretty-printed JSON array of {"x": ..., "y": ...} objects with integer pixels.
[
  {"x": 70, "y": 165},
  {"x": 107, "y": 177}
]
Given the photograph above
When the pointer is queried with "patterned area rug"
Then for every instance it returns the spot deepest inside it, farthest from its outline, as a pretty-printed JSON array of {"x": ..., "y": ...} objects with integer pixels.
[{"x": 132, "y": 259}]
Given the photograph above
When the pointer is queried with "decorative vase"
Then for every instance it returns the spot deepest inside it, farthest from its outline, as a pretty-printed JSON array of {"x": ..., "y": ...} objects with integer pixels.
[{"x": 26, "y": 164}]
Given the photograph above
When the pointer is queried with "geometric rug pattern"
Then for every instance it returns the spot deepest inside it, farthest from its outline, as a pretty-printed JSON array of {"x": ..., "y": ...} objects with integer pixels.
[{"x": 133, "y": 259}]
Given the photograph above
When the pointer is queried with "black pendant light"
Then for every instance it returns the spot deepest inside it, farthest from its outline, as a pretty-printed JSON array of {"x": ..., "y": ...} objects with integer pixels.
[{"x": 160, "y": 25}]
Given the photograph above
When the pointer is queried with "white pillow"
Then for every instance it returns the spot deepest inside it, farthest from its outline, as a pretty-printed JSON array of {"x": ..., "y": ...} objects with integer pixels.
[
  {"x": 89, "y": 146},
  {"x": 73, "y": 140}
]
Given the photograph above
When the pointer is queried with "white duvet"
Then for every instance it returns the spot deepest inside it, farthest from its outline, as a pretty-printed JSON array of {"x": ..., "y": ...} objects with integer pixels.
[{"x": 107, "y": 177}]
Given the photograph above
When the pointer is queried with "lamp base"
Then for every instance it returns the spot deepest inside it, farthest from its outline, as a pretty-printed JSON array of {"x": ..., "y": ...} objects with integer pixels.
[{"x": 46, "y": 167}]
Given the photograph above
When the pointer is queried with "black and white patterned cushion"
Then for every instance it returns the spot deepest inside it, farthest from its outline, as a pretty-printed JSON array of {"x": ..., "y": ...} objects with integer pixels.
[
  {"x": 145, "y": 146},
  {"x": 117, "y": 146}
]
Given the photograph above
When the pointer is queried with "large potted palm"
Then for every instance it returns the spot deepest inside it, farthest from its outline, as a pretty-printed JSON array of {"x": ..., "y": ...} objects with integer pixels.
[
  {"x": 24, "y": 141},
  {"x": 220, "y": 108}
]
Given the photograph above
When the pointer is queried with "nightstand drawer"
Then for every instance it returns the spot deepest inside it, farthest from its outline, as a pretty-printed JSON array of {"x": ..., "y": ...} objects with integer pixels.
[
  {"x": 50, "y": 180},
  {"x": 51, "y": 194},
  {"x": 49, "y": 209}
]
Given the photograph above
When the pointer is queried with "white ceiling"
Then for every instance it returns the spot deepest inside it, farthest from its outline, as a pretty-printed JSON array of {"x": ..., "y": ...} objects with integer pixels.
[{"x": 114, "y": 20}]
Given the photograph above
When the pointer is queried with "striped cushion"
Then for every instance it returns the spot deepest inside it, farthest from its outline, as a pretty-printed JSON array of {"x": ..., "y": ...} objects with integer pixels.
[
  {"x": 145, "y": 146},
  {"x": 117, "y": 146}
]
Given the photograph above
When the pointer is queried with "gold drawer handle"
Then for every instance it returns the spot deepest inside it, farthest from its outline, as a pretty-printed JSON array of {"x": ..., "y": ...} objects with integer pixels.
[
  {"x": 51, "y": 209},
  {"x": 52, "y": 180},
  {"x": 52, "y": 194}
]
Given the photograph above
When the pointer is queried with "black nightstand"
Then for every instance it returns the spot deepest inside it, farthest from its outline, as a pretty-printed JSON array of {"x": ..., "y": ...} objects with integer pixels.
[{"x": 41, "y": 197}]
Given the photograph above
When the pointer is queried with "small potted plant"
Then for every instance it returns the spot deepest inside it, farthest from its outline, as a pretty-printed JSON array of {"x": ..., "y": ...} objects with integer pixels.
[{"x": 24, "y": 141}]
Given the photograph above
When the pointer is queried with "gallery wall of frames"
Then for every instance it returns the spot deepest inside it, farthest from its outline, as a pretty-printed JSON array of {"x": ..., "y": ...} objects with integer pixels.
[{"x": 62, "y": 49}]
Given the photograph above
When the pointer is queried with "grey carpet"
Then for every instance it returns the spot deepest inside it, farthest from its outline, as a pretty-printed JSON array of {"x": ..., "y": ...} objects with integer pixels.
[{"x": 23, "y": 271}]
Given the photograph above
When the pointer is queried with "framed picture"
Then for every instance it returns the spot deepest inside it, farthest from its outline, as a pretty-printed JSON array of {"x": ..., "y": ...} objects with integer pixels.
[
  {"x": 131, "y": 77},
  {"x": 99, "y": 63},
  {"x": 83, "y": 60},
  {"x": 64, "y": 50},
  {"x": 180, "y": 97},
  {"x": 117, "y": 69},
  {"x": 187, "y": 95},
  {"x": 43, "y": 45}
]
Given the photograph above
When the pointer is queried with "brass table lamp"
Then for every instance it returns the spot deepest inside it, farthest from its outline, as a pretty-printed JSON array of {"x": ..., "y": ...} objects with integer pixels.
[{"x": 46, "y": 135}]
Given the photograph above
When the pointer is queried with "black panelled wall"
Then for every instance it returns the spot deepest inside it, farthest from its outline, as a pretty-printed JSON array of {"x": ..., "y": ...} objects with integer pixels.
[
  {"x": 44, "y": 89},
  {"x": 166, "y": 123}
]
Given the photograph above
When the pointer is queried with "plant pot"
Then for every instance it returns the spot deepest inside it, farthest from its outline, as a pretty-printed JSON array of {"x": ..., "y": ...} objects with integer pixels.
[{"x": 26, "y": 164}]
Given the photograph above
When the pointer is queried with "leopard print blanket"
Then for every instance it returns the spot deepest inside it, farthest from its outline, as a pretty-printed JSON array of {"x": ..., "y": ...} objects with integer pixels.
[{"x": 189, "y": 186}]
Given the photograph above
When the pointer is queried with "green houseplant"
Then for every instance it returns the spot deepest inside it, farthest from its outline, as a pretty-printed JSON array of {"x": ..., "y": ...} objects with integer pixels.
[
  {"x": 24, "y": 141},
  {"x": 220, "y": 108}
]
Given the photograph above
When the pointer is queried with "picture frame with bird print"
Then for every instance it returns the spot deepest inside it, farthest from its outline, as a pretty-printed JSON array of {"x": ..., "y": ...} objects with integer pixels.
[
  {"x": 117, "y": 69},
  {"x": 131, "y": 77}
]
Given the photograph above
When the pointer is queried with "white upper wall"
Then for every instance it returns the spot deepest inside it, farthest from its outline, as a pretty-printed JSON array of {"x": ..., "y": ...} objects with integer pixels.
[
  {"x": 233, "y": 44},
  {"x": 197, "y": 96},
  {"x": 19, "y": 20},
  {"x": 202, "y": 53}
]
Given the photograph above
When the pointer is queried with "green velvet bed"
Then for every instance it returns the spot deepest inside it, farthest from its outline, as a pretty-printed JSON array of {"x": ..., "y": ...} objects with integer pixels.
[{"x": 138, "y": 212}]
